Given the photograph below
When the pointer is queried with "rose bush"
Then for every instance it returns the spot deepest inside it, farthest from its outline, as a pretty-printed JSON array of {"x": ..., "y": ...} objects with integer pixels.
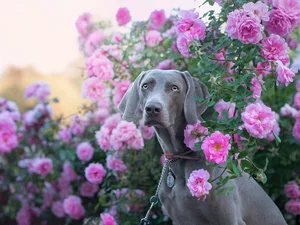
[{"x": 96, "y": 167}]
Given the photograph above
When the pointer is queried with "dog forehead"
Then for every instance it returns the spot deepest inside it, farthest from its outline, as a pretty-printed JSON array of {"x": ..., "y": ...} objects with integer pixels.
[{"x": 163, "y": 76}]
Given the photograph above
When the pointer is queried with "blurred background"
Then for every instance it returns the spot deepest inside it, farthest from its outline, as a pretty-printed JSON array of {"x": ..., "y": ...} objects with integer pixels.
[{"x": 38, "y": 41}]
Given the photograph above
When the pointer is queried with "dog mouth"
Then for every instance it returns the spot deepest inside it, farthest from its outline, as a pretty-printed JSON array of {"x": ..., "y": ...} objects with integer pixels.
[{"x": 153, "y": 123}]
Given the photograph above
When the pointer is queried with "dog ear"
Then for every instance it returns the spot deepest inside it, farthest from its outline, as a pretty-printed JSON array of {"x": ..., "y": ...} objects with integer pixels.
[
  {"x": 195, "y": 89},
  {"x": 130, "y": 102}
]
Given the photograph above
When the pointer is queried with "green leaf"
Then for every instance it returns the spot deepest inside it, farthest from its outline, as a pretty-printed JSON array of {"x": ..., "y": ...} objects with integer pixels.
[
  {"x": 277, "y": 139},
  {"x": 243, "y": 154},
  {"x": 246, "y": 164}
]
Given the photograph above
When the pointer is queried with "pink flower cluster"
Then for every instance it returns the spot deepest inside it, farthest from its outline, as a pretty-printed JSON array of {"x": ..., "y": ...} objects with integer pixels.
[
  {"x": 292, "y": 191},
  {"x": 98, "y": 65},
  {"x": 188, "y": 28},
  {"x": 198, "y": 184},
  {"x": 194, "y": 133},
  {"x": 288, "y": 110},
  {"x": 94, "y": 40},
  {"x": 259, "y": 120},
  {"x": 126, "y": 133},
  {"x": 41, "y": 166},
  {"x": 221, "y": 105},
  {"x": 115, "y": 164},
  {"x": 95, "y": 173},
  {"x": 103, "y": 136},
  {"x": 85, "y": 151},
  {"x": 153, "y": 38},
  {"x": 11, "y": 108},
  {"x": 40, "y": 90},
  {"x": 73, "y": 207},
  {"x": 8, "y": 133},
  {"x": 107, "y": 219},
  {"x": 64, "y": 134},
  {"x": 284, "y": 17},
  {"x": 245, "y": 26},
  {"x": 216, "y": 147}
]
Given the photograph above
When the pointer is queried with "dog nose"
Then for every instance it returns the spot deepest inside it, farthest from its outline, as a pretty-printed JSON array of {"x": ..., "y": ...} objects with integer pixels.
[{"x": 153, "y": 108}]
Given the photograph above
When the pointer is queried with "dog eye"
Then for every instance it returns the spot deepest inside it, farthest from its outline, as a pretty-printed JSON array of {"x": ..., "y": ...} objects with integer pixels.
[
  {"x": 175, "y": 88},
  {"x": 145, "y": 86}
]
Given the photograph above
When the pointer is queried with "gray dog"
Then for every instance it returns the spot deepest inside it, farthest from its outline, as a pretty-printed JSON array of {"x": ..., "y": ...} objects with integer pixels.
[{"x": 168, "y": 102}]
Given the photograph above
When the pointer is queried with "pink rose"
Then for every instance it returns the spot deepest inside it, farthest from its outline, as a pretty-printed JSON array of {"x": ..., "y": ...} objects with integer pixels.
[
  {"x": 194, "y": 133},
  {"x": 83, "y": 24},
  {"x": 293, "y": 207},
  {"x": 183, "y": 41},
  {"x": 77, "y": 125},
  {"x": 257, "y": 83},
  {"x": 157, "y": 19},
  {"x": 94, "y": 89},
  {"x": 291, "y": 190},
  {"x": 100, "y": 66},
  {"x": 123, "y": 16},
  {"x": 221, "y": 106},
  {"x": 119, "y": 91},
  {"x": 40, "y": 90},
  {"x": 279, "y": 23},
  {"x": 263, "y": 68},
  {"x": 107, "y": 219},
  {"x": 115, "y": 164},
  {"x": 297, "y": 100},
  {"x": 166, "y": 64},
  {"x": 291, "y": 9},
  {"x": 259, "y": 120},
  {"x": 147, "y": 132},
  {"x": 8, "y": 133},
  {"x": 259, "y": 9},
  {"x": 190, "y": 23},
  {"x": 93, "y": 41},
  {"x": 244, "y": 26},
  {"x": 153, "y": 38},
  {"x": 126, "y": 133},
  {"x": 68, "y": 171},
  {"x": 88, "y": 189},
  {"x": 284, "y": 74},
  {"x": 73, "y": 207},
  {"x": 95, "y": 173},
  {"x": 216, "y": 146},
  {"x": 287, "y": 110},
  {"x": 58, "y": 209},
  {"x": 24, "y": 215},
  {"x": 85, "y": 151},
  {"x": 42, "y": 166},
  {"x": 64, "y": 134},
  {"x": 275, "y": 48},
  {"x": 198, "y": 184},
  {"x": 296, "y": 130}
]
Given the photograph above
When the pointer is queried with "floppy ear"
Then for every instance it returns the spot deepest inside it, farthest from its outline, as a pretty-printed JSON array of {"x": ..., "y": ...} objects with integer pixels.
[
  {"x": 195, "y": 89},
  {"x": 130, "y": 102}
]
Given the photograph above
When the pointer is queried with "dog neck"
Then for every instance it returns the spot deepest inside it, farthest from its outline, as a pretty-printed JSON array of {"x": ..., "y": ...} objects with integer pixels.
[{"x": 171, "y": 139}]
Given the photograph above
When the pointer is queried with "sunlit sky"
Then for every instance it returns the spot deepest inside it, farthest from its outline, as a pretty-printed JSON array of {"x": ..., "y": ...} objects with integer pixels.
[{"x": 42, "y": 33}]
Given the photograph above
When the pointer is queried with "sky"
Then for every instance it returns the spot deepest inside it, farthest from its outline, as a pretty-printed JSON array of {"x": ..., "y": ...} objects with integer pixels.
[{"x": 41, "y": 33}]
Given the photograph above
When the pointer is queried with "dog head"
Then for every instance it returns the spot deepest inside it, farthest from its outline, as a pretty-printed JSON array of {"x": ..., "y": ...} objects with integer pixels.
[{"x": 164, "y": 96}]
